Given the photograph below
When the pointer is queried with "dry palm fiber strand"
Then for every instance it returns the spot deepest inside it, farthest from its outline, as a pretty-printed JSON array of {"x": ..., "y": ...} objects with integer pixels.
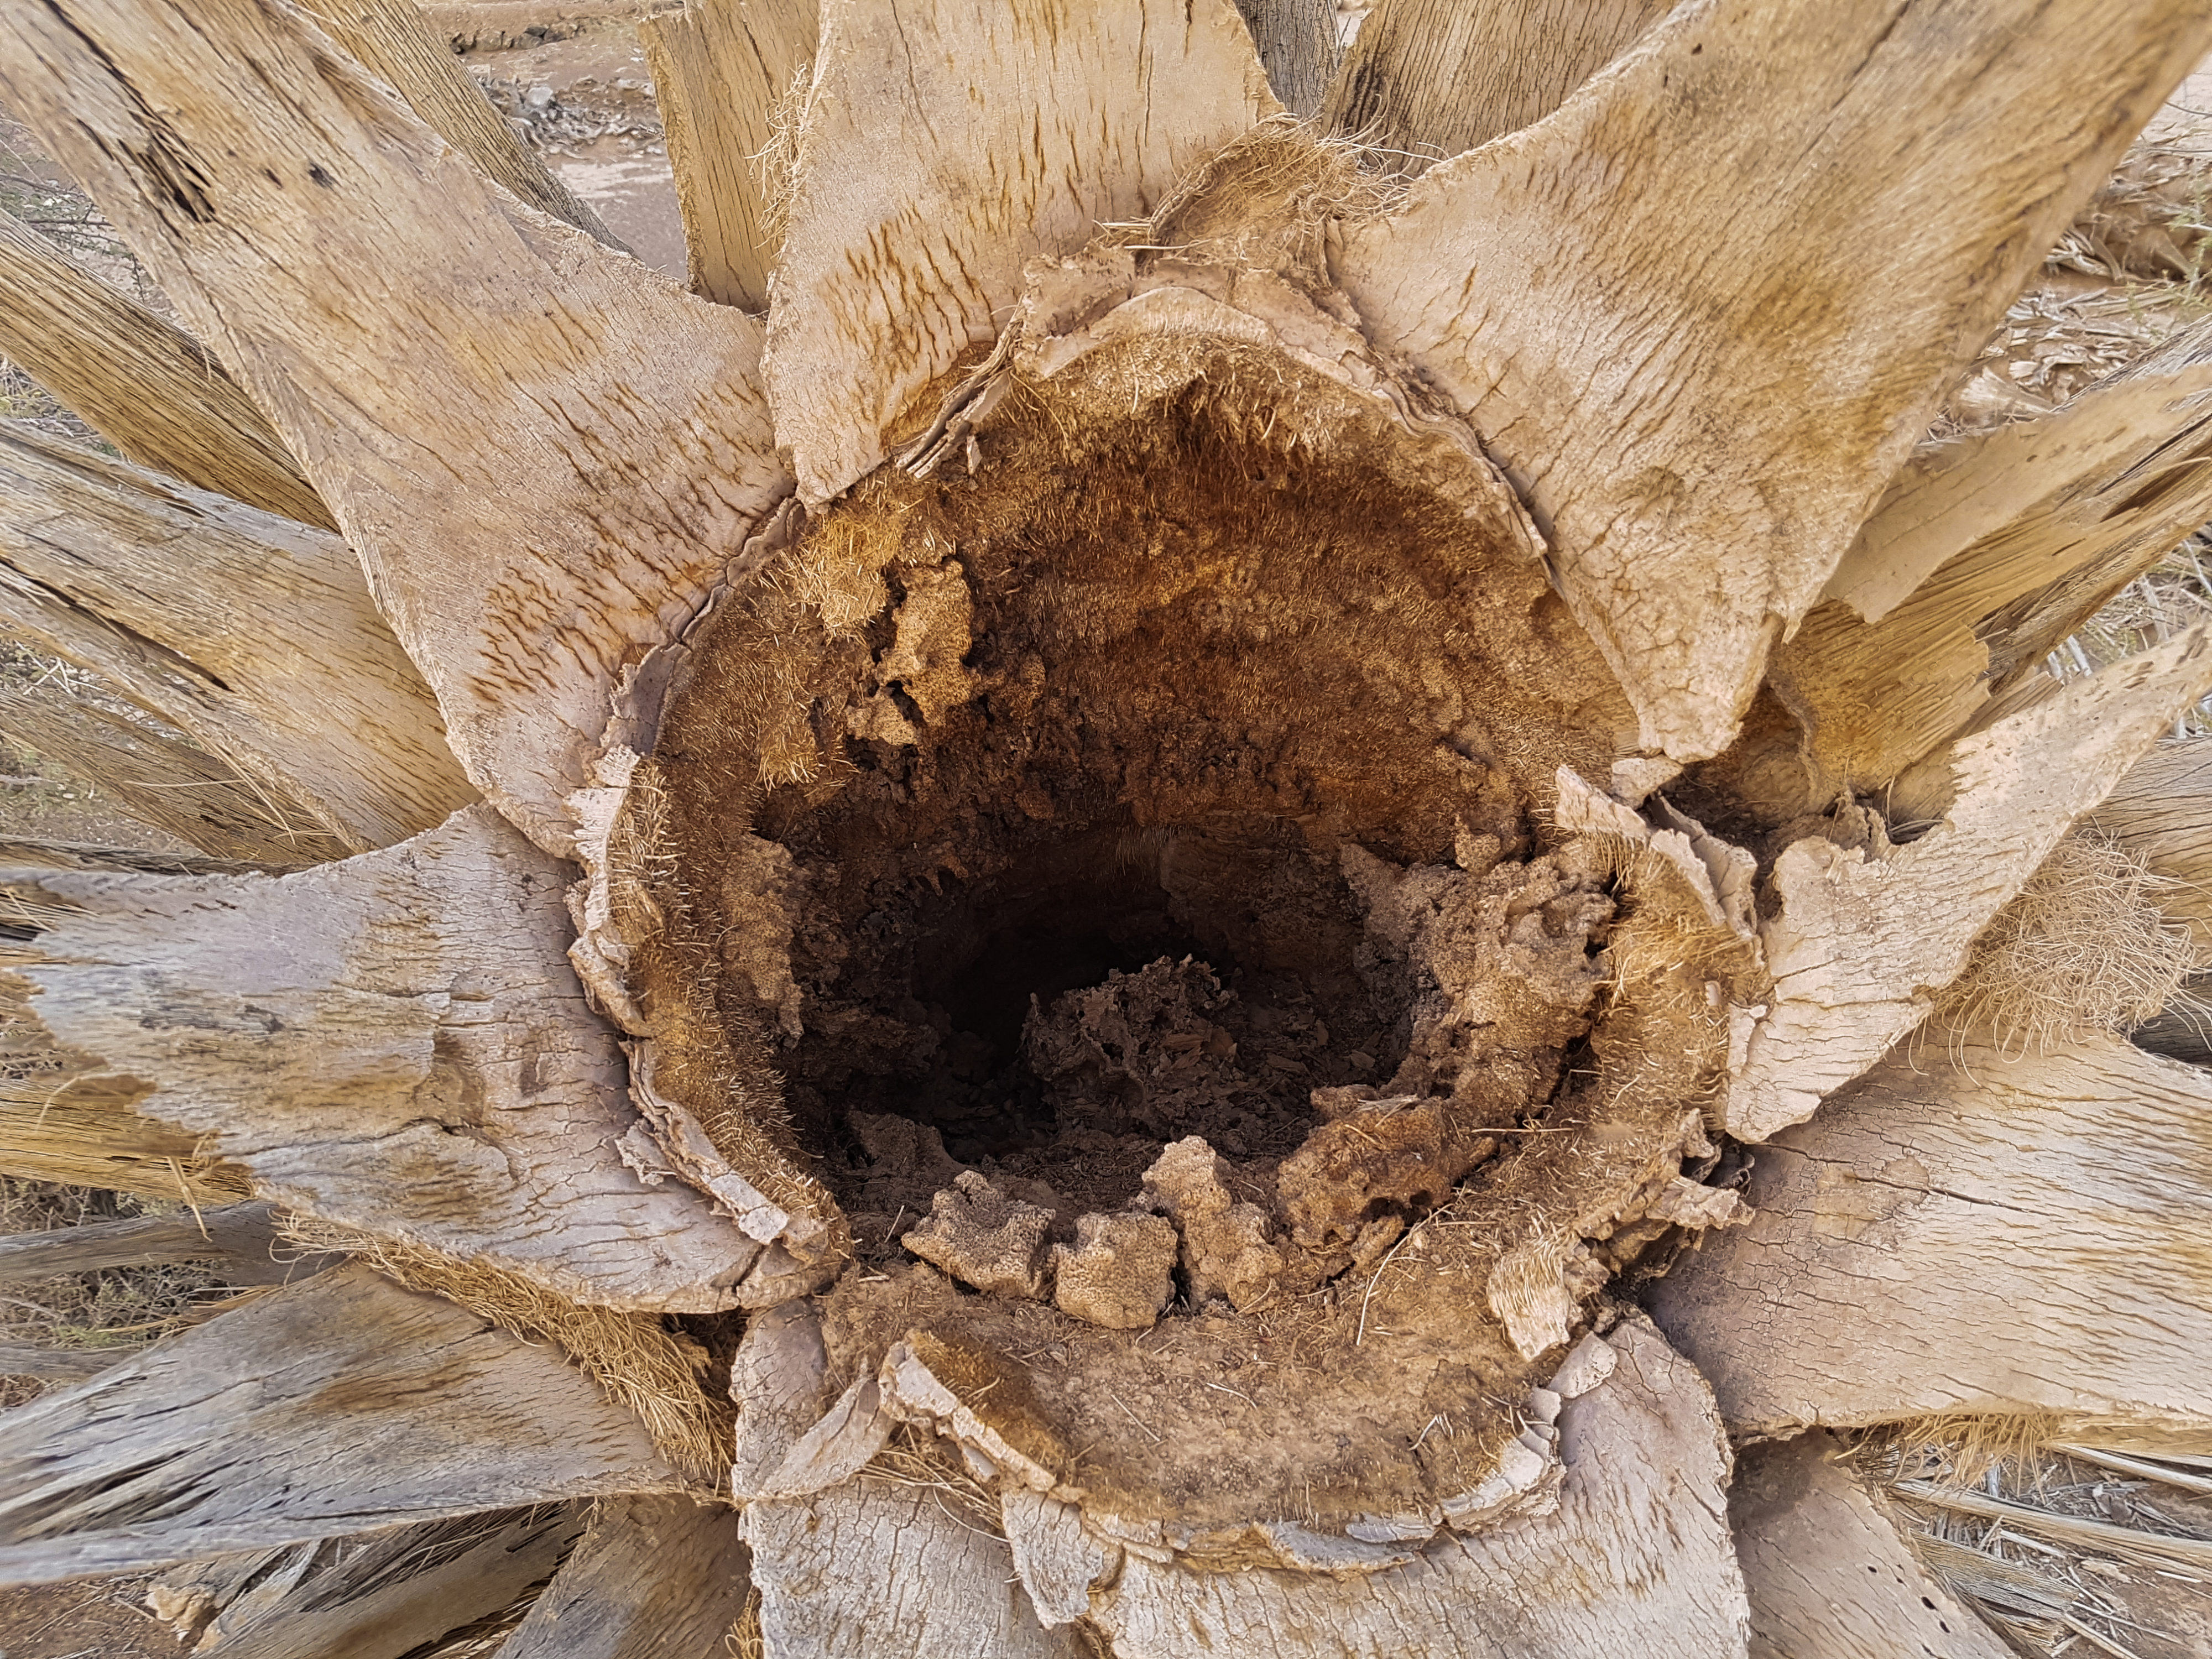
[
  {"x": 2084, "y": 948},
  {"x": 643, "y": 1368}
]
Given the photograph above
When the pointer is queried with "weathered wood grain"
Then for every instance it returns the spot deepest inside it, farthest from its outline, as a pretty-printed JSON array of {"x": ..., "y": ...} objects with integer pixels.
[
  {"x": 241, "y": 1236},
  {"x": 395, "y": 1593},
  {"x": 174, "y": 784},
  {"x": 1297, "y": 44},
  {"x": 943, "y": 146},
  {"x": 59, "y": 1364},
  {"x": 2161, "y": 811},
  {"x": 1829, "y": 1576},
  {"x": 390, "y": 38},
  {"x": 143, "y": 383},
  {"x": 719, "y": 67},
  {"x": 255, "y": 635},
  {"x": 654, "y": 1578},
  {"x": 1864, "y": 939},
  {"x": 1429, "y": 79},
  {"x": 395, "y": 1043},
  {"x": 1636, "y": 1558},
  {"x": 342, "y": 1406},
  {"x": 1985, "y": 553},
  {"x": 878, "y": 1569},
  {"x": 1704, "y": 356},
  {"x": 1983, "y": 1235},
  {"x": 543, "y": 453}
]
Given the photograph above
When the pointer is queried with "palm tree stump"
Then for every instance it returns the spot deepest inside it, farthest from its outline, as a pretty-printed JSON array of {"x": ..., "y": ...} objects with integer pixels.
[{"x": 1164, "y": 789}]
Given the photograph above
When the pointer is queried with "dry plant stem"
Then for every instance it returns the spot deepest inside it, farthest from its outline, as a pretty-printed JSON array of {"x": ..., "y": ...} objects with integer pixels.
[
  {"x": 147, "y": 386},
  {"x": 1963, "y": 1235},
  {"x": 2129, "y": 1543},
  {"x": 656, "y": 1378},
  {"x": 255, "y": 635},
  {"x": 896, "y": 262}
]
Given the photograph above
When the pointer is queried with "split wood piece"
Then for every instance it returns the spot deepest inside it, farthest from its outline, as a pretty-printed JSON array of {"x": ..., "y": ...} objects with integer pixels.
[
  {"x": 389, "y": 37},
  {"x": 654, "y": 1578},
  {"x": 543, "y": 453},
  {"x": 176, "y": 786},
  {"x": 342, "y": 1406},
  {"x": 2161, "y": 811},
  {"x": 242, "y": 1236},
  {"x": 909, "y": 225},
  {"x": 395, "y": 1044},
  {"x": 1957, "y": 1233},
  {"x": 2032, "y": 526},
  {"x": 835, "y": 1583},
  {"x": 1297, "y": 44},
  {"x": 65, "y": 1119},
  {"x": 1772, "y": 300},
  {"x": 504, "y": 24},
  {"x": 1863, "y": 940},
  {"x": 60, "y": 1365},
  {"x": 389, "y": 1595},
  {"x": 1636, "y": 1558},
  {"x": 253, "y": 635},
  {"x": 719, "y": 67},
  {"x": 1828, "y": 1574},
  {"x": 16, "y": 854},
  {"x": 143, "y": 383},
  {"x": 1428, "y": 79}
]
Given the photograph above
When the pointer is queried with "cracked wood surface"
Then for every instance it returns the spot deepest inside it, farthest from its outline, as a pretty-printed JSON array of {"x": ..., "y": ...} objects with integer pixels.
[
  {"x": 1703, "y": 356},
  {"x": 1829, "y": 1575},
  {"x": 251, "y": 632},
  {"x": 390, "y": 38},
  {"x": 1863, "y": 939},
  {"x": 342, "y": 1406},
  {"x": 943, "y": 146},
  {"x": 1980, "y": 1237},
  {"x": 1636, "y": 1558},
  {"x": 143, "y": 383},
  {"x": 1985, "y": 554},
  {"x": 883, "y": 1569},
  {"x": 718, "y": 67},
  {"x": 1435, "y": 78},
  {"x": 396, "y": 1043},
  {"x": 654, "y": 1578},
  {"x": 543, "y": 453}
]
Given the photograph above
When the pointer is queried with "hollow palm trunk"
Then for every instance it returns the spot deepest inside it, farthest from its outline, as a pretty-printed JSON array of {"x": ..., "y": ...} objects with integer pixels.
[{"x": 1158, "y": 782}]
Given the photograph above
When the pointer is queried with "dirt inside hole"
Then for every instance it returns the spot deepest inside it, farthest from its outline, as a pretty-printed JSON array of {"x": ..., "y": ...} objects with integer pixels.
[{"x": 1178, "y": 774}]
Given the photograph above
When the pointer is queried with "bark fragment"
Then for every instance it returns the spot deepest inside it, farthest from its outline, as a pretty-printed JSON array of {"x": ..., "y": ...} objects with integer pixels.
[
  {"x": 984, "y": 1237},
  {"x": 1119, "y": 1274}
]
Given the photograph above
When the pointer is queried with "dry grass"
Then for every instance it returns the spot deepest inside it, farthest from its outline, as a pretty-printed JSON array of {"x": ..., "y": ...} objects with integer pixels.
[
  {"x": 114, "y": 1308},
  {"x": 2057, "y": 1553},
  {"x": 2084, "y": 948}
]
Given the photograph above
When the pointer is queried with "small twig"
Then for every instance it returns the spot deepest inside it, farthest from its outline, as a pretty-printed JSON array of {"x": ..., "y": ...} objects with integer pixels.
[
  {"x": 1133, "y": 1416},
  {"x": 1382, "y": 1267}
]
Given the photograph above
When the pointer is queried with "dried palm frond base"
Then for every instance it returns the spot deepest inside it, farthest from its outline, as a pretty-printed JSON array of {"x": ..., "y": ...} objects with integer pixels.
[{"x": 639, "y": 1363}]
